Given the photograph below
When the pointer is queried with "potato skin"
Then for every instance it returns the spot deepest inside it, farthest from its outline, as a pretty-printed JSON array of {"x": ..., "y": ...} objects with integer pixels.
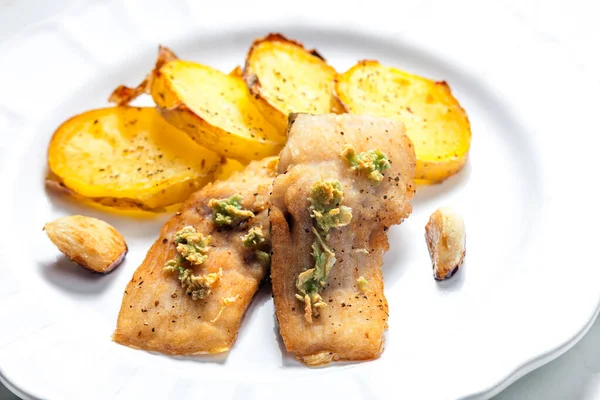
[
  {"x": 120, "y": 205},
  {"x": 213, "y": 108},
  {"x": 436, "y": 123},
  {"x": 124, "y": 95},
  {"x": 274, "y": 72},
  {"x": 127, "y": 157}
]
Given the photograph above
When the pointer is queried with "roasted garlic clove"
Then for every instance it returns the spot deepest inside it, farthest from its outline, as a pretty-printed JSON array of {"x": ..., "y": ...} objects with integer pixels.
[
  {"x": 446, "y": 240},
  {"x": 89, "y": 242}
]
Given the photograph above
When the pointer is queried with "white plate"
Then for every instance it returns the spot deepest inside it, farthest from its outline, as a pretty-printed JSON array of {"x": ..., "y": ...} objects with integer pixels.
[{"x": 528, "y": 289}]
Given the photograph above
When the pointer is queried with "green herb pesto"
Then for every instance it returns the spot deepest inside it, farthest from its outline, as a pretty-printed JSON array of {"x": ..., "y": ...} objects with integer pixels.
[
  {"x": 372, "y": 162},
  {"x": 197, "y": 286},
  {"x": 192, "y": 248},
  {"x": 263, "y": 257},
  {"x": 314, "y": 279},
  {"x": 327, "y": 212},
  {"x": 256, "y": 240},
  {"x": 229, "y": 211},
  {"x": 325, "y": 205},
  {"x": 192, "y": 245}
]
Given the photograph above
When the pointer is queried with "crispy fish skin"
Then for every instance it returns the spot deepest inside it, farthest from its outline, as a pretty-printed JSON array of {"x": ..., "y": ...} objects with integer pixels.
[
  {"x": 156, "y": 314},
  {"x": 351, "y": 326}
]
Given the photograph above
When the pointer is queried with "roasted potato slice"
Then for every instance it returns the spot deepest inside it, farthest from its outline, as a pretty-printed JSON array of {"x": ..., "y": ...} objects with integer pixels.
[
  {"x": 284, "y": 77},
  {"x": 213, "y": 108},
  {"x": 435, "y": 121},
  {"x": 128, "y": 156}
]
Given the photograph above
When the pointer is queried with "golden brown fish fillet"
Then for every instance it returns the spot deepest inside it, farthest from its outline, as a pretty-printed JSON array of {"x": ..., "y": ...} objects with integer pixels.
[
  {"x": 351, "y": 325},
  {"x": 156, "y": 314}
]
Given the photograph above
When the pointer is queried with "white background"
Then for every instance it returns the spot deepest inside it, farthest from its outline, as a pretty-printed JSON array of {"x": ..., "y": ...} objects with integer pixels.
[{"x": 572, "y": 24}]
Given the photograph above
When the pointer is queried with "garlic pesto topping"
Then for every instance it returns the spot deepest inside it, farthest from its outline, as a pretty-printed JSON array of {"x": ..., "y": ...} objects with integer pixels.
[
  {"x": 327, "y": 212},
  {"x": 372, "y": 163},
  {"x": 229, "y": 211},
  {"x": 192, "y": 250},
  {"x": 255, "y": 239}
]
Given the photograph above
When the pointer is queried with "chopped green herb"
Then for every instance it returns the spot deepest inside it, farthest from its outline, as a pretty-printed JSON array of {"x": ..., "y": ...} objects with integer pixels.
[
  {"x": 192, "y": 245},
  {"x": 325, "y": 205},
  {"x": 192, "y": 248},
  {"x": 314, "y": 279},
  {"x": 263, "y": 257},
  {"x": 327, "y": 212},
  {"x": 229, "y": 211},
  {"x": 256, "y": 240},
  {"x": 198, "y": 286},
  {"x": 372, "y": 162}
]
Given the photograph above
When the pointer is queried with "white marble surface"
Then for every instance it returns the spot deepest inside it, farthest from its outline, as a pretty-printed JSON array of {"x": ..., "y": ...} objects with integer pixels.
[{"x": 570, "y": 24}]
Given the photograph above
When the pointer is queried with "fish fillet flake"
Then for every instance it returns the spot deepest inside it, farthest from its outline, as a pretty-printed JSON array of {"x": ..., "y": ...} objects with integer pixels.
[
  {"x": 351, "y": 325},
  {"x": 156, "y": 314}
]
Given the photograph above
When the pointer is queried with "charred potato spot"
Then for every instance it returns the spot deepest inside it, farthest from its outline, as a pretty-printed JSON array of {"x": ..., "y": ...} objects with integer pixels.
[
  {"x": 237, "y": 72},
  {"x": 124, "y": 95},
  {"x": 89, "y": 242},
  {"x": 435, "y": 121},
  {"x": 128, "y": 156}
]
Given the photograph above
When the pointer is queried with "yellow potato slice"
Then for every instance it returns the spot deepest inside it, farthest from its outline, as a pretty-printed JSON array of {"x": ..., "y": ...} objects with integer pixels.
[
  {"x": 434, "y": 120},
  {"x": 128, "y": 157},
  {"x": 284, "y": 77},
  {"x": 213, "y": 108}
]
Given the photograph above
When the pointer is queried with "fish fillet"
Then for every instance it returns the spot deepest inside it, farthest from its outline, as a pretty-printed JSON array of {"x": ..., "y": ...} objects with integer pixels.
[
  {"x": 351, "y": 325},
  {"x": 156, "y": 314}
]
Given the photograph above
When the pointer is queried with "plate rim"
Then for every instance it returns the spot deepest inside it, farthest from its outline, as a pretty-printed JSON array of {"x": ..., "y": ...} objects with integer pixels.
[{"x": 519, "y": 371}]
